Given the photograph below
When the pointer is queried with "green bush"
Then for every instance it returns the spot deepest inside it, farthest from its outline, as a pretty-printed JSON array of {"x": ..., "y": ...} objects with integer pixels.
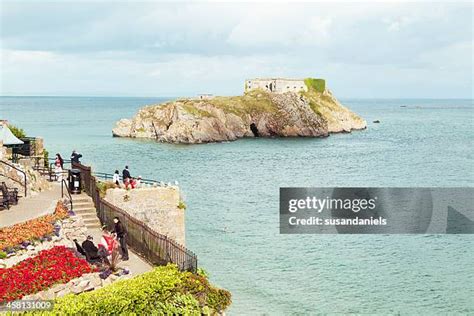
[
  {"x": 18, "y": 132},
  {"x": 162, "y": 291},
  {"x": 3, "y": 255},
  {"x": 104, "y": 186},
  {"x": 202, "y": 272},
  {"x": 46, "y": 158},
  {"x": 317, "y": 85}
]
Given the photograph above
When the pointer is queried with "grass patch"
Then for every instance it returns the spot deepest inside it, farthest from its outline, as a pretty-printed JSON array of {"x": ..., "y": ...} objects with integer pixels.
[
  {"x": 315, "y": 107},
  {"x": 195, "y": 111},
  {"x": 315, "y": 85},
  {"x": 253, "y": 102}
]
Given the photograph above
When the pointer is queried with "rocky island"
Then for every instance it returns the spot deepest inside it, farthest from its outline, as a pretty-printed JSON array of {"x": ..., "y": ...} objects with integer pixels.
[{"x": 268, "y": 108}]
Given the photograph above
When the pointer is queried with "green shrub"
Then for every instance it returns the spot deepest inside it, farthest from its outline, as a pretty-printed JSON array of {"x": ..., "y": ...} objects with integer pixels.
[
  {"x": 46, "y": 158},
  {"x": 202, "y": 272},
  {"x": 317, "y": 85},
  {"x": 103, "y": 186},
  {"x": 3, "y": 255},
  {"x": 162, "y": 291},
  {"x": 18, "y": 132}
]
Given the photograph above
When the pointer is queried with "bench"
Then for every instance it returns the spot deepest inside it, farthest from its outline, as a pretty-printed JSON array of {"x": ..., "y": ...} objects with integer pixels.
[{"x": 9, "y": 196}]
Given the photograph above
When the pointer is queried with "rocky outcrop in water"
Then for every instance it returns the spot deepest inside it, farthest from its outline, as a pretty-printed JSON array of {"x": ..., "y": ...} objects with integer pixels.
[{"x": 255, "y": 114}]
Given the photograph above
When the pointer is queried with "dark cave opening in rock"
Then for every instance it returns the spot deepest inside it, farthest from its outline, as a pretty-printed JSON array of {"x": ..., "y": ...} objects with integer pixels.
[{"x": 254, "y": 129}]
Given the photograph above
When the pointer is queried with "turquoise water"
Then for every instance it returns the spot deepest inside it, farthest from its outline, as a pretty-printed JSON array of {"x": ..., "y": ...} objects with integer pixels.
[{"x": 231, "y": 190}]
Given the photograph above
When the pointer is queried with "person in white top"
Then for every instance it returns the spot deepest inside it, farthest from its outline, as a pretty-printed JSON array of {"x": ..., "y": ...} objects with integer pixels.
[
  {"x": 116, "y": 178},
  {"x": 58, "y": 167},
  {"x": 139, "y": 182}
]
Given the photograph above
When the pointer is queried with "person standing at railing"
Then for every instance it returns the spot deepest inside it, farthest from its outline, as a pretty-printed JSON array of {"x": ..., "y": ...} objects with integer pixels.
[
  {"x": 133, "y": 183},
  {"x": 138, "y": 183},
  {"x": 58, "y": 167},
  {"x": 121, "y": 234},
  {"x": 116, "y": 178},
  {"x": 126, "y": 174},
  {"x": 75, "y": 156}
]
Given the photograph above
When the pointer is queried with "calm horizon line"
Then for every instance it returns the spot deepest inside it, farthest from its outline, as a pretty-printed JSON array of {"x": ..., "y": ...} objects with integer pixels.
[{"x": 186, "y": 96}]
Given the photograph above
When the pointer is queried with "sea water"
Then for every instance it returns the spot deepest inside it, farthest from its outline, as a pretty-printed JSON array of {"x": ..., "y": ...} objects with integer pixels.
[{"x": 232, "y": 191}]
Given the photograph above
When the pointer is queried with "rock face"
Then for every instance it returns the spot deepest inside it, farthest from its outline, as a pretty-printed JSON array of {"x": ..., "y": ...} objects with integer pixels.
[
  {"x": 256, "y": 113},
  {"x": 15, "y": 179}
]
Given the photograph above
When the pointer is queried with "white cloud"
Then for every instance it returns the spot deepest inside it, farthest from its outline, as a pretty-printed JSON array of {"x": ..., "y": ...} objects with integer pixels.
[{"x": 185, "y": 48}]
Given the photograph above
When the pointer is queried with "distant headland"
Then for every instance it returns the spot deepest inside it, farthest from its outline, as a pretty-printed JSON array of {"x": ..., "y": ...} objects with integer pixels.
[{"x": 274, "y": 107}]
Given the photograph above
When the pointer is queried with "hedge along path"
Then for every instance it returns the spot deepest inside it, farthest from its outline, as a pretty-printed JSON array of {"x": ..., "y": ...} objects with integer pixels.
[{"x": 163, "y": 291}]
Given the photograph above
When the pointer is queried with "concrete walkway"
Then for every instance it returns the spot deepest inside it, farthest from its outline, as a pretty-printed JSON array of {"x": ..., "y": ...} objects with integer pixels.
[{"x": 31, "y": 207}]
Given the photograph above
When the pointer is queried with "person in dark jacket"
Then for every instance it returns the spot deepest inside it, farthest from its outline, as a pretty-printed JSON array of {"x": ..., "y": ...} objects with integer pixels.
[
  {"x": 121, "y": 234},
  {"x": 75, "y": 156},
  {"x": 90, "y": 250},
  {"x": 79, "y": 248},
  {"x": 126, "y": 174}
]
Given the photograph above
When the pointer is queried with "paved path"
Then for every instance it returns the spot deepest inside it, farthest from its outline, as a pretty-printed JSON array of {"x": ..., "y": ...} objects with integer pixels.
[{"x": 31, "y": 207}]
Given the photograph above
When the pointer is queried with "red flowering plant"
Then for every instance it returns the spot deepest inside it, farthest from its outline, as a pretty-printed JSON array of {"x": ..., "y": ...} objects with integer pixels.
[
  {"x": 21, "y": 235},
  {"x": 53, "y": 266}
]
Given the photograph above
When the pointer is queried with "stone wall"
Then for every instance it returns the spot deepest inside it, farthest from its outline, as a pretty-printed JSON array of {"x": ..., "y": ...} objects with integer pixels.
[
  {"x": 276, "y": 85},
  {"x": 87, "y": 282},
  {"x": 156, "y": 206},
  {"x": 14, "y": 179},
  {"x": 3, "y": 151}
]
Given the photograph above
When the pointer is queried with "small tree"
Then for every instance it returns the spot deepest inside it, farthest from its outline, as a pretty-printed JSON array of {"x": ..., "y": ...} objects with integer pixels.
[{"x": 18, "y": 132}]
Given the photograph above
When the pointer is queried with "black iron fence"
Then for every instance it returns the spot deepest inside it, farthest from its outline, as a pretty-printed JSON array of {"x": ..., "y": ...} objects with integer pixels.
[
  {"x": 156, "y": 248},
  {"x": 64, "y": 184},
  {"x": 110, "y": 176}
]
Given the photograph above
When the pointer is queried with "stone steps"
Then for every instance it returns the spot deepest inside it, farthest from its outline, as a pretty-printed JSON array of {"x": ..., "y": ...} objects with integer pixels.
[
  {"x": 84, "y": 211},
  {"x": 92, "y": 223},
  {"x": 81, "y": 199},
  {"x": 84, "y": 207},
  {"x": 87, "y": 215}
]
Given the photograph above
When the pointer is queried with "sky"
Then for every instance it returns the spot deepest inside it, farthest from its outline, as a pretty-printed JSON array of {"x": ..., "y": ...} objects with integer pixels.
[{"x": 363, "y": 50}]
